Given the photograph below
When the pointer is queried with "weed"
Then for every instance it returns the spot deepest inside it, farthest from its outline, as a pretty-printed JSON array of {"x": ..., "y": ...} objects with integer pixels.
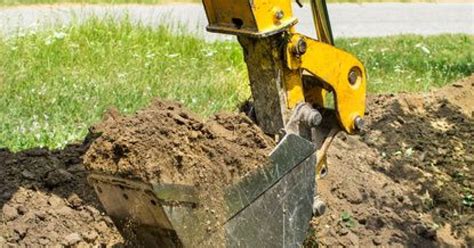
[
  {"x": 467, "y": 198},
  {"x": 347, "y": 219},
  {"x": 427, "y": 200},
  {"x": 459, "y": 176},
  {"x": 311, "y": 240}
]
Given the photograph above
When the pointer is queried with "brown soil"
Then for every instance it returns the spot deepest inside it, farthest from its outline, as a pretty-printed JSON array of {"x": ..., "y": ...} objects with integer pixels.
[
  {"x": 401, "y": 183},
  {"x": 165, "y": 143},
  {"x": 46, "y": 201}
]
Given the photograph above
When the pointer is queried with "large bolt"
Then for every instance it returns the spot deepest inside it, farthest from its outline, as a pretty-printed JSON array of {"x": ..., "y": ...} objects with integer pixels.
[
  {"x": 353, "y": 76},
  {"x": 300, "y": 47},
  {"x": 319, "y": 207},
  {"x": 358, "y": 123},
  {"x": 279, "y": 14},
  {"x": 312, "y": 117}
]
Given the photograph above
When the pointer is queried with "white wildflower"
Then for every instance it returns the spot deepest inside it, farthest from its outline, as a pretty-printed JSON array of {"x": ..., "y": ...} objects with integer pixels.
[
  {"x": 122, "y": 75},
  {"x": 59, "y": 35},
  {"x": 173, "y": 55},
  {"x": 423, "y": 48},
  {"x": 210, "y": 53},
  {"x": 150, "y": 55},
  {"x": 48, "y": 41}
]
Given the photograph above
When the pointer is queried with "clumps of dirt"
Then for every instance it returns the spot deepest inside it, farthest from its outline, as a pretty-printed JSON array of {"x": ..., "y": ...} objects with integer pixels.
[
  {"x": 166, "y": 143},
  {"x": 405, "y": 182},
  {"x": 408, "y": 179},
  {"x": 45, "y": 201},
  {"x": 429, "y": 139}
]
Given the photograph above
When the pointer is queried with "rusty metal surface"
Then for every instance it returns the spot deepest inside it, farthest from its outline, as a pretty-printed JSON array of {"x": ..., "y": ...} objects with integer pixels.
[
  {"x": 280, "y": 217},
  {"x": 168, "y": 216},
  {"x": 289, "y": 153}
]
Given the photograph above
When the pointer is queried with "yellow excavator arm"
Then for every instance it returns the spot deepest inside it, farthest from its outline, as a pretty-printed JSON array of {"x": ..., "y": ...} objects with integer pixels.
[
  {"x": 287, "y": 69},
  {"x": 292, "y": 78},
  {"x": 266, "y": 32}
]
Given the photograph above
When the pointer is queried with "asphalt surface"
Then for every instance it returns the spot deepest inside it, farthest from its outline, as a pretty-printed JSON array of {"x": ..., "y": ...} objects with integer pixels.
[{"x": 348, "y": 20}]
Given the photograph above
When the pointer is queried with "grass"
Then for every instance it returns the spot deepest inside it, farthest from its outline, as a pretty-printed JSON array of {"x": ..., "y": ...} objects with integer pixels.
[
  {"x": 413, "y": 63},
  {"x": 22, "y": 2},
  {"x": 54, "y": 84}
]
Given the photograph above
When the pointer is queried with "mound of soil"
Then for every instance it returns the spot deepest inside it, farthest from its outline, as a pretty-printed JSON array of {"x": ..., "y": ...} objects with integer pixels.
[
  {"x": 404, "y": 182},
  {"x": 45, "y": 201},
  {"x": 165, "y": 143}
]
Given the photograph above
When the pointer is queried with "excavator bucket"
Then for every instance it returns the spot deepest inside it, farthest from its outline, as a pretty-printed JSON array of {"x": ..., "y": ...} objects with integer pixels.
[
  {"x": 290, "y": 78},
  {"x": 269, "y": 208}
]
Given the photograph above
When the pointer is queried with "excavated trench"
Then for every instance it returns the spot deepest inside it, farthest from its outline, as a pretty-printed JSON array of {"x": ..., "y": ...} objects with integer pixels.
[{"x": 404, "y": 182}]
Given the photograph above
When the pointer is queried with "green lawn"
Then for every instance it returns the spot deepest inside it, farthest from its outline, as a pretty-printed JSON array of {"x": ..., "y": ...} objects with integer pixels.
[
  {"x": 54, "y": 84},
  {"x": 19, "y": 2}
]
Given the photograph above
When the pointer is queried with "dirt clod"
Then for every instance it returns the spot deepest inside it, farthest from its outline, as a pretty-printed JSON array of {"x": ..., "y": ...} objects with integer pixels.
[
  {"x": 90, "y": 236},
  {"x": 57, "y": 177},
  {"x": 72, "y": 239},
  {"x": 74, "y": 201},
  {"x": 165, "y": 143},
  {"x": 9, "y": 212},
  {"x": 425, "y": 232},
  {"x": 377, "y": 241},
  {"x": 28, "y": 175}
]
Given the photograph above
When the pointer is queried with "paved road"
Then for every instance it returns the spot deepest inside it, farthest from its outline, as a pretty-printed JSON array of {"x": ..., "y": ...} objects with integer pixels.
[{"x": 349, "y": 20}]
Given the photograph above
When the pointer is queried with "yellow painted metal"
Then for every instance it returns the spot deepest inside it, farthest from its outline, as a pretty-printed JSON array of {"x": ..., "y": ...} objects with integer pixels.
[
  {"x": 249, "y": 17},
  {"x": 294, "y": 89},
  {"x": 293, "y": 83},
  {"x": 261, "y": 18},
  {"x": 333, "y": 66}
]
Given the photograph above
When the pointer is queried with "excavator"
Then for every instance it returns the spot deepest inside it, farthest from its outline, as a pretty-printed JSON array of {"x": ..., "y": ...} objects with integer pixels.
[{"x": 304, "y": 90}]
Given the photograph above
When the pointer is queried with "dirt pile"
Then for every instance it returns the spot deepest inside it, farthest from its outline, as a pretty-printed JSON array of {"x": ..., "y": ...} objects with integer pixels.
[
  {"x": 167, "y": 144},
  {"x": 45, "y": 201},
  {"x": 405, "y": 182},
  {"x": 408, "y": 180}
]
